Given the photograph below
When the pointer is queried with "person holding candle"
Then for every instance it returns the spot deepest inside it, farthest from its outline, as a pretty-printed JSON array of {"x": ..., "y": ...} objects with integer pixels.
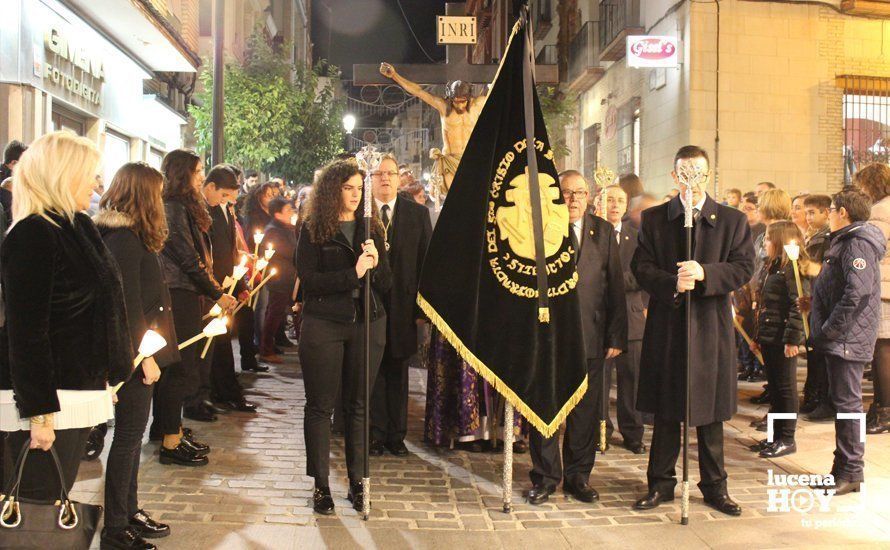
[
  {"x": 874, "y": 181},
  {"x": 133, "y": 225},
  {"x": 815, "y": 388},
  {"x": 280, "y": 236},
  {"x": 334, "y": 256},
  {"x": 188, "y": 272},
  {"x": 846, "y": 306},
  {"x": 255, "y": 212},
  {"x": 220, "y": 192},
  {"x": 65, "y": 337},
  {"x": 780, "y": 331}
]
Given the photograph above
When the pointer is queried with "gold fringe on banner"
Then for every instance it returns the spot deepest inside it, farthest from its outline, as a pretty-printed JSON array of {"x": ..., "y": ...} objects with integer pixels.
[
  {"x": 544, "y": 314},
  {"x": 546, "y": 429}
]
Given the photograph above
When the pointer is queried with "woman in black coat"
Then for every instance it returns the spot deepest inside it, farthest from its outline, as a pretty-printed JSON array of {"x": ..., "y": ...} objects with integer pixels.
[
  {"x": 188, "y": 271},
  {"x": 333, "y": 255},
  {"x": 779, "y": 332},
  {"x": 65, "y": 324},
  {"x": 134, "y": 228}
]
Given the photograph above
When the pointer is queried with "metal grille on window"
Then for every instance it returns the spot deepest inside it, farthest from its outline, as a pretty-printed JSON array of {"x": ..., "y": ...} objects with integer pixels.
[
  {"x": 866, "y": 112},
  {"x": 591, "y": 150}
]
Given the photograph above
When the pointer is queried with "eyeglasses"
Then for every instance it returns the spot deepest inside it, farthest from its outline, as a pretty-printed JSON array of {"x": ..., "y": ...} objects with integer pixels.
[
  {"x": 381, "y": 174},
  {"x": 568, "y": 195}
]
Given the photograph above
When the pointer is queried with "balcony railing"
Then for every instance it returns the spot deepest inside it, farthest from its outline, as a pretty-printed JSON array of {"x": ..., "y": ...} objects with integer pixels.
[
  {"x": 547, "y": 55},
  {"x": 618, "y": 19},
  {"x": 542, "y": 20},
  {"x": 584, "y": 68}
]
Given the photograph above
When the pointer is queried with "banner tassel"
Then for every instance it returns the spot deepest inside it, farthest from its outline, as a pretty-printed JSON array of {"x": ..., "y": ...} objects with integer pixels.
[{"x": 544, "y": 314}]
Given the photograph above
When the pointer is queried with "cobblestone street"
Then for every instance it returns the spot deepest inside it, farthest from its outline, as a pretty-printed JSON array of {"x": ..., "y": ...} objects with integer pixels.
[{"x": 254, "y": 493}]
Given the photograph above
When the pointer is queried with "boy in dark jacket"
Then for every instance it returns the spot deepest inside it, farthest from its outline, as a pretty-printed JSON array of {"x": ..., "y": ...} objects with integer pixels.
[
  {"x": 281, "y": 236},
  {"x": 845, "y": 314},
  {"x": 816, "y": 403}
]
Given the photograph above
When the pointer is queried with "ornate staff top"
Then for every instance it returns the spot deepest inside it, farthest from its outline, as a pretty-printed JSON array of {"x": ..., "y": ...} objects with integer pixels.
[
  {"x": 692, "y": 177},
  {"x": 368, "y": 159},
  {"x": 603, "y": 178}
]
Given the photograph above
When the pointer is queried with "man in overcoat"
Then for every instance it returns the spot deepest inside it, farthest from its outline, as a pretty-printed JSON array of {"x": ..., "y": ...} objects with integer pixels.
[{"x": 722, "y": 261}]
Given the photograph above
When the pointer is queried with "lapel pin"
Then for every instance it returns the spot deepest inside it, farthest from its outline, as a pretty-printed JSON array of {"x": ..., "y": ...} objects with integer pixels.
[{"x": 713, "y": 216}]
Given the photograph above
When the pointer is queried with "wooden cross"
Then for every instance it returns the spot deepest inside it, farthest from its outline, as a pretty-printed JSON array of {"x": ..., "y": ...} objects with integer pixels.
[{"x": 457, "y": 66}]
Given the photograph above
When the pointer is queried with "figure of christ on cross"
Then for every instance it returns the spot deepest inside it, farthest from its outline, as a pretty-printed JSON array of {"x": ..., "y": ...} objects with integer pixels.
[{"x": 459, "y": 112}]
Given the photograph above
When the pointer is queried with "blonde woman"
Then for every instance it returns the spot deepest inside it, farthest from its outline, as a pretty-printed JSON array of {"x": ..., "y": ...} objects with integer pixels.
[{"x": 66, "y": 326}]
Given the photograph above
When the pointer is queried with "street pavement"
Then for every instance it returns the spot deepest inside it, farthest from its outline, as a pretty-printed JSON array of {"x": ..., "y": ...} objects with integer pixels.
[{"x": 255, "y": 494}]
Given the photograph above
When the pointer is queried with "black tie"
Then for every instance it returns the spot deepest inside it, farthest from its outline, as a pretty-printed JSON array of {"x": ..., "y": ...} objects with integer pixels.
[
  {"x": 575, "y": 244},
  {"x": 384, "y": 215},
  {"x": 696, "y": 214}
]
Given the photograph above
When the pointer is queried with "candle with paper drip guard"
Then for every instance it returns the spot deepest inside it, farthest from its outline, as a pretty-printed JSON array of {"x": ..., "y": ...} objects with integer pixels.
[
  {"x": 151, "y": 343},
  {"x": 257, "y": 239},
  {"x": 792, "y": 250},
  {"x": 741, "y": 331},
  {"x": 253, "y": 292},
  {"x": 267, "y": 257},
  {"x": 238, "y": 273},
  {"x": 216, "y": 327}
]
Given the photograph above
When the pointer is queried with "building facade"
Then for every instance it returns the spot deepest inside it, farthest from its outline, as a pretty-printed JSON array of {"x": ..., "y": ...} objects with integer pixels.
[
  {"x": 98, "y": 70},
  {"x": 802, "y": 97}
]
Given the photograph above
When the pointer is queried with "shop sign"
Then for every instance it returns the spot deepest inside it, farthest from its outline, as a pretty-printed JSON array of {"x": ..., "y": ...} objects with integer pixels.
[
  {"x": 91, "y": 66},
  {"x": 653, "y": 51}
]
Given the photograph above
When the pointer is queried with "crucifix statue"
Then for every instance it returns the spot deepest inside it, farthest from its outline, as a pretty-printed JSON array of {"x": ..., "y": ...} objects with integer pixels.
[{"x": 459, "y": 109}]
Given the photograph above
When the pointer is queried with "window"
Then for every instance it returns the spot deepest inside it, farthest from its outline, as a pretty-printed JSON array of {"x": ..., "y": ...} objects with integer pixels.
[
  {"x": 155, "y": 158},
  {"x": 205, "y": 17},
  {"x": 636, "y": 143},
  {"x": 116, "y": 154},
  {"x": 866, "y": 112},
  {"x": 591, "y": 146},
  {"x": 629, "y": 137},
  {"x": 66, "y": 120}
]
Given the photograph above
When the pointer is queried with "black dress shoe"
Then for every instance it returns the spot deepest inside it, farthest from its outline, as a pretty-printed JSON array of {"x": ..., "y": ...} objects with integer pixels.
[
  {"x": 580, "y": 490},
  {"x": 147, "y": 527},
  {"x": 182, "y": 455},
  {"x": 397, "y": 448},
  {"x": 779, "y": 448},
  {"x": 822, "y": 413},
  {"x": 254, "y": 367},
  {"x": 841, "y": 486},
  {"x": 213, "y": 408},
  {"x": 761, "y": 399},
  {"x": 127, "y": 539},
  {"x": 356, "y": 495},
  {"x": 520, "y": 447},
  {"x": 198, "y": 413},
  {"x": 322, "y": 502},
  {"x": 636, "y": 448},
  {"x": 722, "y": 503},
  {"x": 759, "y": 446},
  {"x": 539, "y": 494},
  {"x": 652, "y": 500},
  {"x": 376, "y": 448},
  {"x": 95, "y": 445},
  {"x": 196, "y": 447},
  {"x": 239, "y": 405}
]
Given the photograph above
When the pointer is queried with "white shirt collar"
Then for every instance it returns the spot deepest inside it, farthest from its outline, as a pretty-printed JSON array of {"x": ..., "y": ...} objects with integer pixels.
[
  {"x": 698, "y": 206},
  {"x": 579, "y": 223},
  {"x": 392, "y": 205},
  {"x": 618, "y": 227}
]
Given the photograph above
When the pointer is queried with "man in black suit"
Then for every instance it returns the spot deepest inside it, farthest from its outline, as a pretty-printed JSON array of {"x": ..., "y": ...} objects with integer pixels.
[
  {"x": 627, "y": 365},
  {"x": 604, "y": 326},
  {"x": 722, "y": 261},
  {"x": 221, "y": 191},
  {"x": 407, "y": 230}
]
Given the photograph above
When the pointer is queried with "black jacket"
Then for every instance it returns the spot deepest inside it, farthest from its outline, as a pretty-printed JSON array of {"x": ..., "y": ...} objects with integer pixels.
[
  {"x": 847, "y": 294},
  {"x": 636, "y": 298},
  {"x": 778, "y": 320},
  {"x": 284, "y": 240},
  {"x": 408, "y": 236},
  {"x": 66, "y": 323},
  {"x": 601, "y": 288},
  {"x": 255, "y": 220},
  {"x": 818, "y": 244},
  {"x": 328, "y": 278},
  {"x": 186, "y": 258},
  {"x": 722, "y": 245},
  {"x": 146, "y": 295}
]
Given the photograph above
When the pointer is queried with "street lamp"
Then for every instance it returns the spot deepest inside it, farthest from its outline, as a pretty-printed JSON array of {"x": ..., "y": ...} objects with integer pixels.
[{"x": 349, "y": 123}]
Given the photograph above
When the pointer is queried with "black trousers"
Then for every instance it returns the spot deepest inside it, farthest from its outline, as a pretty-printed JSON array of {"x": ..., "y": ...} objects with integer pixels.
[
  {"x": 627, "y": 370},
  {"x": 845, "y": 390},
  {"x": 180, "y": 379},
  {"x": 276, "y": 314},
  {"x": 247, "y": 347},
  {"x": 781, "y": 375},
  {"x": 201, "y": 392},
  {"x": 332, "y": 354},
  {"x": 122, "y": 471},
  {"x": 389, "y": 400},
  {"x": 666, "y": 442},
  {"x": 817, "y": 377},
  {"x": 224, "y": 384},
  {"x": 39, "y": 479},
  {"x": 579, "y": 439}
]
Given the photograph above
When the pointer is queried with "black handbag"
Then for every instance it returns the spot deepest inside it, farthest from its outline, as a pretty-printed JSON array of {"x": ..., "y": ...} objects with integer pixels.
[{"x": 26, "y": 523}]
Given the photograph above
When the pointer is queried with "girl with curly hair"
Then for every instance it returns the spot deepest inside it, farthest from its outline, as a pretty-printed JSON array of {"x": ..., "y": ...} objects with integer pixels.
[{"x": 333, "y": 256}]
